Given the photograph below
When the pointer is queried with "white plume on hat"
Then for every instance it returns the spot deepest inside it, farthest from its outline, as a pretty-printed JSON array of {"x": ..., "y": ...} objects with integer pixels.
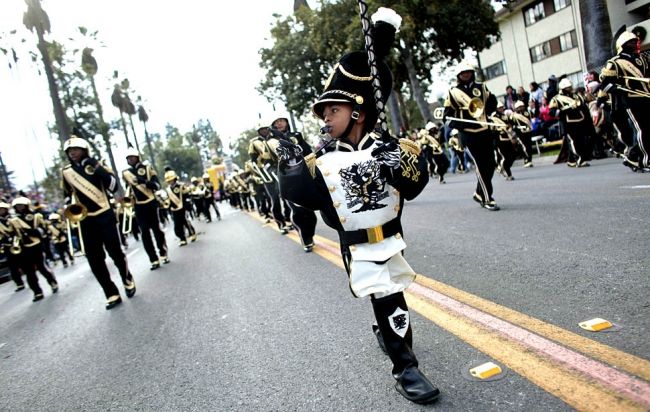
[{"x": 389, "y": 16}]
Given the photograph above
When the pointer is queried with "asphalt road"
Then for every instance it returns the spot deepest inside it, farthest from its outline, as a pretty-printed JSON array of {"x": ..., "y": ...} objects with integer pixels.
[{"x": 243, "y": 319}]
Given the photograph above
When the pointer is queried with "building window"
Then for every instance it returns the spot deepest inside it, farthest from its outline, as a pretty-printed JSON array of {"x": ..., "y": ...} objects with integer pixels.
[
  {"x": 560, "y": 4},
  {"x": 568, "y": 41},
  {"x": 495, "y": 70},
  {"x": 577, "y": 80},
  {"x": 534, "y": 13},
  {"x": 540, "y": 52}
]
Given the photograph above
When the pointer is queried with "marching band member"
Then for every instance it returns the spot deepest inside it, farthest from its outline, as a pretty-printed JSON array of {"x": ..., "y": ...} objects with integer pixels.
[
  {"x": 359, "y": 186},
  {"x": 476, "y": 138},
  {"x": 573, "y": 113},
  {"x": 59, "y": 237},
  {"x": 631, "y": 71},
  {"x": 522, "y": 127},
  {"x": 303, "y": 219},
  {"x": 6, "y": 240},
  {"x": 142, "y": 182},
  {"x": 29, "y": 229},
  {"x": 434, "y": 151},
  {"x": 506, "y": 141},
  {"x": 177, "y": 192},
  {"x": 209, "y": 196},
  {"x": 89, "y": 183}
]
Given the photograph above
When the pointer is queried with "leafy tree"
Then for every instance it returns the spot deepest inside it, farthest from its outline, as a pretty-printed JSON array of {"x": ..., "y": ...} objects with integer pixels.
[
  {"x": 177, "y": 155},
  {"x": 308, "y": 43},
  {"x": 118, "y": 101},
  {"x": 239, "y": 147},
  {"x": 144, "y": 118},
  {"x": 37, "y": 20}
]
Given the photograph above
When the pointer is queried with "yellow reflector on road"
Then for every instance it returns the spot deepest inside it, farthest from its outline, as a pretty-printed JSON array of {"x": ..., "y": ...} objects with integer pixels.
[
  {"x": 485, "y": 371},
  {"x": 595, "y": 325}
]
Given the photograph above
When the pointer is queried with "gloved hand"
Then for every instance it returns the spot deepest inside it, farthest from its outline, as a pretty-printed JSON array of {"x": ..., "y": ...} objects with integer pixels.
[
  {"x": 388, "y": 154},
  {"x": 289, "y": 154},
  {"x": 601, "y": 100},
  {"x": 90, "y": 161}
]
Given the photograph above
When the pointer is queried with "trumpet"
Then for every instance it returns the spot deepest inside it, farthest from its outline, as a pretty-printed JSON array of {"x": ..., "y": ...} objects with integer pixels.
[
  {"x": 74, "y": 214},
  {"x": 637, "y": 92},
  {"x": 15, "y": 247}
]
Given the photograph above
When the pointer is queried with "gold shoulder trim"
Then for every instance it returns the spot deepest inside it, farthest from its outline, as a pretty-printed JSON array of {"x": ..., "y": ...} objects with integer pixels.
[
  {"x": 409, "y": 146},
  {"x": 310, "y": 160}
]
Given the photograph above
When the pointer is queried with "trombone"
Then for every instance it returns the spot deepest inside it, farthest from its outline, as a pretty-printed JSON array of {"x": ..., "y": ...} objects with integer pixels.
[
  {"x": 74, "y": 214},
  {"x": 127, "y": 203},
  {"x": 637, "y": 92}
]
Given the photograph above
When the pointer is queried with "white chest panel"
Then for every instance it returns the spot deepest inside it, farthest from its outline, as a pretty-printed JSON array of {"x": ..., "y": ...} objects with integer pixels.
[{"x": 362, "y": 199}]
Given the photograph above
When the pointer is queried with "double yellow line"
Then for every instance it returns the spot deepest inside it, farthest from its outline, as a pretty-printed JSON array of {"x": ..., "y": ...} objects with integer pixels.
[{"x": 580, "y": 390}]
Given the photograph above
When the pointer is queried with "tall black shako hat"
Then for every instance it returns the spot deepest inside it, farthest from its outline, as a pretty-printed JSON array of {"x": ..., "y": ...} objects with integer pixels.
[{"x": 351, "y": 80}]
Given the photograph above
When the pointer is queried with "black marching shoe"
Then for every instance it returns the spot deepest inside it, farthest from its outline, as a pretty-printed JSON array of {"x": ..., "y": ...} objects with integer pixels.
[
  {"x": 113, "y": 301},
  {"x": 491, "y": 206},
  {"x": 155, "y": 265},
  {"x": 308, "y": 248},
  {"x": 19, "y": 288},
  {"x": 55, "y": 287},
  {"x": 414, "y": 386},
  {"x": 37, "y": 297},
  {"x": 129, "y": 288},
  {"x": 165, "y": 259}
]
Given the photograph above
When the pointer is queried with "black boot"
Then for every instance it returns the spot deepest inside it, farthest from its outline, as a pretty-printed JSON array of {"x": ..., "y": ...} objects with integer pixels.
[{"x": 394, "y": 326}]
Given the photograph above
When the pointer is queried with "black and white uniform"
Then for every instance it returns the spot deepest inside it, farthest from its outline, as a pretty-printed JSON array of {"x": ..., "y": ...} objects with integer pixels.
[{"x": 576, "y": 124}]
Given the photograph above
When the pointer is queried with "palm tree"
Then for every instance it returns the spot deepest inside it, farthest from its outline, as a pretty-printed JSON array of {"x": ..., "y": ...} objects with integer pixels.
[
  {"x": 89, "y": 66},
  {"x": 37, "y": 20},
  {"x": 596, "y": 42},
  {"x": 118, "y": 101},
  {"x": 129, "y": 108},
  {"x": 144, "y": 118}
]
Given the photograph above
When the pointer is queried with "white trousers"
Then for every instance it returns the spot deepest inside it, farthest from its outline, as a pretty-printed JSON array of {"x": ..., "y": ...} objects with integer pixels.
[{"x": 367, "y": 278}]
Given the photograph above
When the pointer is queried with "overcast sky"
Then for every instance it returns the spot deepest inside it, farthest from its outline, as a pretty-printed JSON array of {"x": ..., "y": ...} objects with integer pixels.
[{"x": 188, "y": 59}]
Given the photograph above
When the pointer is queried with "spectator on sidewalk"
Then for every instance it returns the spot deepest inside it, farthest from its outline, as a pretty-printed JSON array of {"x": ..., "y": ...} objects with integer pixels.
[{"x": 510, "y": 98}]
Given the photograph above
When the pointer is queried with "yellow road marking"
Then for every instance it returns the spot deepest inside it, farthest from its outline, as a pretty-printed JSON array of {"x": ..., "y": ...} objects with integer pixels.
[
  {"x": 572, "y": 387},
  {"x": 622, "y": 360},
  {"x": 576, "y": 390}
]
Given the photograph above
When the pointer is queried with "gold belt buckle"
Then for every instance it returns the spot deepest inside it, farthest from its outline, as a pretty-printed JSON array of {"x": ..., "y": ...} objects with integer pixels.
[{"x": 375, "y": 234}]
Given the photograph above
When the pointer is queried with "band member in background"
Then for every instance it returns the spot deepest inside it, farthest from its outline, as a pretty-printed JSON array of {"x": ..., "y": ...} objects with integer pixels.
[
  {"x": 476, "y": 138},
  {"x": 359, "y": 186},
  {"x": 209, "y": 196},
  {"x": 89, "y": 183},
  {"x": 631, "y": 107},
  {"x": 505, "y": 142},
  {"x": 262, "y": 202},
  {"x": 142, "y": 182},
  {"x": 57, "y": 229},
  {"x": 198, "y": 199},
  {"x": 458, "y": 152},
  {"x": 434, "y": 151},
  {"x": 263, "y": 162},
  {"x": 6, "y": 240},
  {"x": 177, "y": 193},
  {"x": 28, "y": 230},
  {"x": 520, "y": 121},
  {"x": 303, "y": 219},
  {"x": 574, "y": 115}
]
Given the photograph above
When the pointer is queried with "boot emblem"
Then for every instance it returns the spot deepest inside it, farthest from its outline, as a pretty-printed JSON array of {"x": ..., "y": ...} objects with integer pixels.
[{"x": 399, "y": 321}]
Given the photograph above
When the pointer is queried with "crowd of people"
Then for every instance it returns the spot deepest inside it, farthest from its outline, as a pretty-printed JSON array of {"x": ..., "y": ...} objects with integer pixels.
[{"x": 358, "y": 177}]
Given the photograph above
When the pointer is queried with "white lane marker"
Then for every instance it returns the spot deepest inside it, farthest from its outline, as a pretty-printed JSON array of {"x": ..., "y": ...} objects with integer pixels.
[{"x": 637, "y": 187}]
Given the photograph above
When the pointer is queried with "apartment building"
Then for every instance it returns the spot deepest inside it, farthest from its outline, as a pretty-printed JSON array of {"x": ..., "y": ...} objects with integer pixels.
[{"x": 544, "y": 37}]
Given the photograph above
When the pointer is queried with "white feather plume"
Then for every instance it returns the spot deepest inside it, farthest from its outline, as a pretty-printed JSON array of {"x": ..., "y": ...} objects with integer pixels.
[{"x": 389, "y": 16}]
